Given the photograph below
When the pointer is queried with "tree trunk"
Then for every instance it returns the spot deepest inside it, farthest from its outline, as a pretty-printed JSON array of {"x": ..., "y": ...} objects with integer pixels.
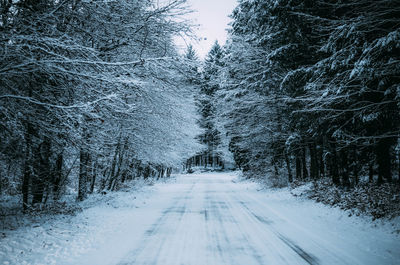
[
  {"x": 334, "y": 165},
  {"x": 83, "y": 174},
  {"x": 25, "y": 185},
  {"x": 123, "y": 175},
  {"x": 42, "y": 171},
  {"x": 93, "y": 176},
  {"x": 289, "y": 169},
  {"x": 121, "y": 158},
  {"x": 345, "y": 168},
  {"x": 146, "y": 172},
  {"x": 114, "y": 164},
  {"x": 58, "y": 176},
  {"x": 355, "y": 167},
  {"x": 384, "y": 160},
  {"x": 27, "y": 166},
  {"x": 159, "y": 169},
  {"x": 276, "y": 171},
  {"x": 313, "y": 162},
  {"x": 321, "y": 162},
  {"x": 371, "y": 171},
  {"x": 103, "y": 180},
  {"x": 89, "y": 170},
  {"x": 214, "y": 161},
  {"x": 398, "y": 166},
  {"x": 304, "y": 162},
  {"x": 298, "y": 168}
]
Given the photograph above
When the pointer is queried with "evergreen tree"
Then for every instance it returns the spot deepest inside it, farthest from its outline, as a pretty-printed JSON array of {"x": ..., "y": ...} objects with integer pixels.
[
  {"x": 191, "y": 54},
  {"x": 311, "y": 85},
  {"x": 206, "y": 103}
]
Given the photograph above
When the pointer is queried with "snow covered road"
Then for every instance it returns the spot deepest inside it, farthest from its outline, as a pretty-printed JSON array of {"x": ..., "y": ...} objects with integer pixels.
[{"x": 215, "y": 219}]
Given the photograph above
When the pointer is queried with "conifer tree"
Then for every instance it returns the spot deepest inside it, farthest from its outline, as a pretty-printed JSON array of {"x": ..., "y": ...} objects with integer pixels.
[{"x": 206, "y": 102}]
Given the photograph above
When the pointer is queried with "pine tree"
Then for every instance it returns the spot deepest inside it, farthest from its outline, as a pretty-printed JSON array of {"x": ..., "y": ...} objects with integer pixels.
[
  {"x": 313, "y": 84},
  {"x": 206, "y": 103}
]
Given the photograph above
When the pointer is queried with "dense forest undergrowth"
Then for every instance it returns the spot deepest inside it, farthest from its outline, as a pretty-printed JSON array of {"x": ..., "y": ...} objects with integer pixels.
[
  {"x": 376, "y": 201},
  {"x": 381, "y": 201}
]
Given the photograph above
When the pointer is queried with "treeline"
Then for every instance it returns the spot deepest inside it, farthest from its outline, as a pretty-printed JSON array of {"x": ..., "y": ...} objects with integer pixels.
[
  {"x": 202, "y": 77},
  {"x": 310, "y": 89},
  {"x": 92, "y": 93}
]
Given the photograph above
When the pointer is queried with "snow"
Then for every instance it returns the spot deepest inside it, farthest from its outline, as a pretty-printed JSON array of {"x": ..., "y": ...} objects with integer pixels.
[
  {"x": 66, "y": 238},
  {"x": 206, "y": 218}
]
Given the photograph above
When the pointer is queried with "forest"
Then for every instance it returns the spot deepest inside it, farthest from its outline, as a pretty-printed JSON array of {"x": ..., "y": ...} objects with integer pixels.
[
  {"x": 96, "y": 93},
  {"x": 92, "y": 95},
  {"x": 314, "y": 86},
  {"x": 308, "y": 91}
]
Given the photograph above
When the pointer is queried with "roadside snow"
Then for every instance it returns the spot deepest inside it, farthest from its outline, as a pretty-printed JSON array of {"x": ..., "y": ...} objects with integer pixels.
[{"x": 63, "y": 238}]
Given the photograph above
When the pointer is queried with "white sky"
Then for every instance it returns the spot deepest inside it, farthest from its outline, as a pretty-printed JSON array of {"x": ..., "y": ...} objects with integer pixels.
[{"x": 212, "y": 16}]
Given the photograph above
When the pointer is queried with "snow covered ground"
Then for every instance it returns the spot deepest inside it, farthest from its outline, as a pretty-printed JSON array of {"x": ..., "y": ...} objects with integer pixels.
[{"x": 209, "y": 218}]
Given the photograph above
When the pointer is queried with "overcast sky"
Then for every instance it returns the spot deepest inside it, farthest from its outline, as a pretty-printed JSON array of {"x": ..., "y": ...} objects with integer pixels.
[{"x": 212, "y": 15}]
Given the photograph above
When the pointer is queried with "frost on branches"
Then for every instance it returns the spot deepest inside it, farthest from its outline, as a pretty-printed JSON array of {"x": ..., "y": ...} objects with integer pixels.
[{"x": 92, "y": 94}]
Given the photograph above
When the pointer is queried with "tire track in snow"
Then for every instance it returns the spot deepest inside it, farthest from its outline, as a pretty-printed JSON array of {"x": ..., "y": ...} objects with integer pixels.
[
  {"x": 217, "y": 222},
  {"x": 232, "y": 241},
  {"x": 335, "y": 255},
  {"x": 152, "y": 242},
  {"x": 312, "y": 260},
  {"x": 254, "y": 236},
  {"x": 309, "y": 258}
]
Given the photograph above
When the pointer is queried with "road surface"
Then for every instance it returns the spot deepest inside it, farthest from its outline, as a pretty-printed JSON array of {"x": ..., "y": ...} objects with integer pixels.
[{"x": 215, "y": 219}]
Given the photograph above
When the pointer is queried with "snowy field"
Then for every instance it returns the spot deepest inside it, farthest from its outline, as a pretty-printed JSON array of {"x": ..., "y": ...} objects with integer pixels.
[{"x": 209, "y": 218}]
